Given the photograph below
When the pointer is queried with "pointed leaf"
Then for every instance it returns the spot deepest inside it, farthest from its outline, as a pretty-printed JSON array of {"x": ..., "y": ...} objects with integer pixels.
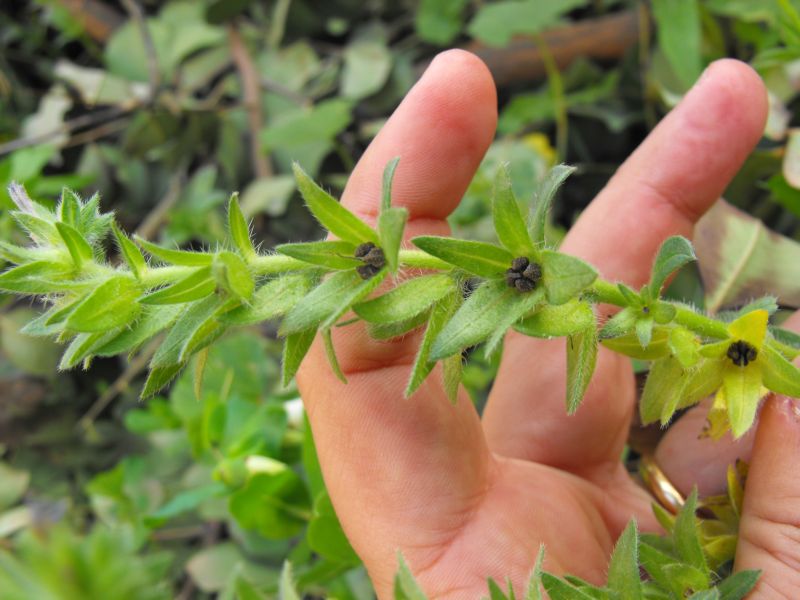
[
  {"x": 674, "y": 253},
  {"x": 405, "y": 586},
  {"x": 662, "y": 391},
  {"x": 295, "y": 348},
  {"x": 623, "y": 569},
  {"x": 621, "y": 324},
  {"x": 558, "y": 589},
  {"x": 194, "y": 286},
  {"x": 39, "y": 230},
  {"x": 273, "y": 299},
  {"x": 387, "y": 331},
  {"x": 479, "y": 258},
  {"x": 153, "y": 320},
  {"x": 440, "y": 315},
  {"x": 176, "y": 257},
  {"x": 82, "y": 346},
  {"x": 386, "y": 188},
  {"x": 40, "y": 277},
  {"x": 407, "y": 300},
  {"x": 111, "y": 304},
  {"x": 779, "y": 374},
  {"x": 556, "y": 321},
  {"x": 330, "y": 353},
  {"x": 188, "y": 324},
  {"x": 533, "y": 589},
  {"x": 543, "y": 199},
  {"x": 158, "y": 378},
  {"x": 286, "y": 587},
  {"x": 685, "y": 346},
  {"x": 391, "y": 224},
  {"x": 644, "y": 331},
  {"x": 330, "y": 213},
  {"x": 565, "y": 276},
  {"x": 687, "y": 537},
  {"x": 742, "y": 391},
  {"x": 629, "y": 345},
  {"x": 581, "y": 361},
  {"x": 508, "y": 220},
  {"x": 130, "y": 252},
  {"x": 712, "y": 594},
  {"x": 527, "y": 303},
  {"x": 701, "y": 381},
  {"x": 79, "y": 249},
  {"x": 334, "y": 254},
  {"x": 452, "y": 370},
  {"x": 239, "y": 229},
  {"x": 232, "y": 275},
  {"x": 738, "y": 585},
  {"x": 69, "y": 208}
]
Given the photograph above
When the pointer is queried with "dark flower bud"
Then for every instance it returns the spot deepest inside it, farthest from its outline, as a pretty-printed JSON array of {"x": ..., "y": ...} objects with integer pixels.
[
  {"x": 533, "y": 272},
  {"x": 523, "y": 275},
  {"x": 363, "y": 249},
  {"x": 741, "y": 353},
  {"x": 519, "y": 263},
  {"x": 372, "y": 257},
  {"x": 524, "y": 285}
]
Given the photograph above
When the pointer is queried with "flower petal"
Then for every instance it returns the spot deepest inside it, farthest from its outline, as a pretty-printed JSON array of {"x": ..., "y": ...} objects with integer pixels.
[
  {"x": 743, "y": 391},
  {"x": 751, "y": 327}
]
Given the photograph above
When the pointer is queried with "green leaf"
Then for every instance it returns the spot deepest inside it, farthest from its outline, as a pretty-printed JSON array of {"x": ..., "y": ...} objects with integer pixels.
[
  {"x": 565, "y": 276},
  {"x": 273, "y": 299},
  {"x": 239, "y": 229},
  {"x": 367, "y": 62},
  {"x": 495, "y": 24},
  {"x": 158, "y": 378},
  {"x": 687, "y": 536},
  {"x": 405, "y": 586},
  {"x": 330, "y": 353},
  {"x": 387, "y": 331},
  {"x": 479, "y": 258},
  {"x": 477, "y": 318},
  {"x": 712, "y": 594},
  {"x": 273, "y": 503},
  {"x": 452, "y": 371},
  {"x": 742, "y": 389},
  {"x": 440, "y": 315},
  {"x": 193, "y": 319},
  {"x": 533, "y": 589},
  {"x": 680, "y": 36},
  {"x": 557, "y": 321},
  {"x": 334, "y": 254},
  {"x": 388, "y": 178},
  {"x": 183, "y": 502},
  {"x": 685, "y": 346},
  {"x": 558, "y": 589},
  {"x": 655, "y": 562},
  {"x": 231, "y": 274},
  {"x": 779, "y": 374},
  {"x": 701, "y": 381},
  {"x": 621, "y": 324},
  {"x": 662, "y": 391},
  {"x": 40, "y": 277},
  {"x": 330, "y": 213},
  {"x": 176, "y": 257},
  {"x": 623, "y": 569},
  {"x": 79, "y": 249},
  {"x": 82, "y": 346},
  {"x": 152, "y": 320},
  {"x": 112, "y": 304},
  {"x": 581, "y": 361},
  {"x": 328, "y": 301},
  {"x": 407, "y": 300},
  {"x": 194, "y": 286},
  {"x": 528, "y": 302},
  {"x": 69, "y": 208},
  {"x": 391, "y": 224},
  {"x": 39, "y": 230},
  {"x": 325, "y": 535},
  {"x": 508, "y": 220},
  {"x": 543, "y": 197},
  {"x": 286, "y": 587},
  {"x": 674, "y": 253},
  {"x": 130, "y": 252},
  {"x": 440, "y": 21},
  {"x": 738, "y": 585},
  {"x": 295, "y": 348},
  {"x": 644, "y": 331}
]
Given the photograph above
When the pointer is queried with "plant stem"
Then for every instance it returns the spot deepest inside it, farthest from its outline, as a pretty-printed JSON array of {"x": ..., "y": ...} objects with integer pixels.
[{"x": 422, "y": 260}]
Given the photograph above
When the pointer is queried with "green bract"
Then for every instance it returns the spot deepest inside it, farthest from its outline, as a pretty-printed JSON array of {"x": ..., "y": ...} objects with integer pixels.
[{"x": 460, "y": 293}]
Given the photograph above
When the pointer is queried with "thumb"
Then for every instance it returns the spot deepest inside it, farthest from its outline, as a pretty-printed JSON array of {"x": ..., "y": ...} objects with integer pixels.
[{"x": 769, "y": 533}]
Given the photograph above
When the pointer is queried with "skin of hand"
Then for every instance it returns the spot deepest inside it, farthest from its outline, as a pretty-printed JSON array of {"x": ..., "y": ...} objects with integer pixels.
[{"x": 464, "y": 497}]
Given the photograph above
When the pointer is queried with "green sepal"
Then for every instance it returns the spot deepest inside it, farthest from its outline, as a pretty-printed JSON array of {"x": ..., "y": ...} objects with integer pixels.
[
  {"x": 69, "y": 208},
  {"x": 565, "y": 276},
  {"x": 674, "y": 253},
  {"x": 663, "y": 312},
  {"x": 631, "y": 297},
  {"x": 20, "y": 254},
  {"x": 386, "y": 186},
  {"x": 655, "y": 561},
  {"x": 232, "y": 275},
  {"x": 629, "y": 345},
  {"x": 157, "y": 379},
  {"x": 194, "y": 286},
  {"x": 111, "y": 304},
  {"x": 333, "y": 254},
  {"x": 525, "y": 305},
  {"x": 738, "y": 585},
  {"x": 623, "y": 568},
  {"x": 295, "y": 348},
  {"x": 153, "y": 320},
  {"x": 715, "y": 349},
  {"x": 685, "y": 346},
  {"x": 40, "y": 277},
  {"x": 644, "y": 331},
  {"x": 273, "y": 299},
  {"x": 130, "y": 252},
  {"x": 662, "y": 391},
  {"x": 557, "y": 321},
  {"x": 323, "y": 306},
  {"x": 701, "y": 381},
  {"x": 558, "y": 589},
  {"x": 195, "y": 319},
  {"x": 40, "y": 230},
  {"x": 509, "y": 224},
  {"x": 175, "y": 257},
  {"x": 391, "y": 224},
  {"x": 330, "y": 353},
  {"x": 407, "y": 300},
  {"x": 452, "y": 371},
  {"x": 82, "y": 346},
  {"x": 388, "y": 331},
  {"x": 79, "y": 249},
  {"x": 742, "y": 390},
  {"x": 533, "y": 589},
  {"x": 543, "y": 199},
  {"x": 687, "y": 537},
  {"x": 405, "y": 586},
  {"x": 621, "y": 324},
  {"x": 330, "y": 213},
  {"x": 239, "y": 229},
  {"x": 779, "y": 374},
  {"x": 479, "y": 258},
  {"x": 581, "y": 362}
]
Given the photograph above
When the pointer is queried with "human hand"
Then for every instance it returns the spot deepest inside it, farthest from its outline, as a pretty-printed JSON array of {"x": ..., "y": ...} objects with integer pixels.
[{"x": 465, "y": 499}]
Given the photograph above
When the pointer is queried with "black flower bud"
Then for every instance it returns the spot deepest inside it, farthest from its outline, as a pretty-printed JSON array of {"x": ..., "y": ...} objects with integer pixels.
[
  {"x": 372, "y": 257},
  {"x": 741, "y": 353},
  {"x": 523, "y": 275}
]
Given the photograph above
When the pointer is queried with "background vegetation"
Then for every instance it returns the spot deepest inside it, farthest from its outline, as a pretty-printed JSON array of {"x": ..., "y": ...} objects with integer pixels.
[{"x": 164, "y": 108}]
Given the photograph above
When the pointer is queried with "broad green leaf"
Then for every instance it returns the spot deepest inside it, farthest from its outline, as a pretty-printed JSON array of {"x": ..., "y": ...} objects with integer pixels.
[
  {"x": 440, "y": 315},
  {"x": 477, "y": 318},
  {"x": 295, "y": 348},
  {"x": 79, "y": 249},
  {"x": 153, "y": 320},
  {"x": 330, "y": 353},
  {"x": 188, "y": 324},
  {"x": 556, "y": 321},
  {"x": 663, "y": 312},
  {"x": 391, "y": 224},
  {"x": 655, "y": 562},
  {"x": 679, "y": 29},
  {"x": 565, "y": 276},
  {"x": 273, "y": 503},
  {"x": 334, "y": 254},
  {"x": 662, "y": 391},
  {"x": 527, "y": 302},
  {"x": 330, "y": 213},
  {"x": 367, "y": 62},
  {"x": 543, "y": 197},
  {"x": 328, "y": 301},
  {"x": 496, "y": 23},
  {"x": 82, "y": 346},
  {"x": 386, "y": 188},
  {"x": 581, "y": 361},
  {"x": 176, "y": 257},
  {"x": 685, "y": 346},
  {"x": 741, "y": 387},
  {"x": 232, "y": 275},
  {"x": 644, "y": 331},
  {"x": 112, "y": 304},
  {"x": 558, "y": 589},
  {"x": 738, "y": 585},
  {"x": 440, "y": 21},
  {"x": 40, "y": 230},
  {"x": 623, "y": 569},
  {"x": 325, "y": 535},
  {"x": 407, "y": 300},
  {"x": 239, "y": 229},
  {"x": 479, "y": 258},
  {"x": 674, "y": 253},
  {"x": 40, "y": 277},
  {"x": 387, "y": 331},
  {"x": 286, "y": 587},
  {"x": 701, "y": 381},
  {"x": 684, "y": 577},
  {"x": 533, "y": 589},
  {"x": 779, "y": 374},
  {"x": 158, "y": 378},
  {"x": 273, "y": 299},
  {"x": 621, "y": 324},
  {"x": 687, "y": 536},
  {"x": 405, "y": 586},
  {"x": 509, "y": 224},
  {"x": 194, "y": 286},
  {"x": 183, "y": 502},
  {"x": 130, "y": 252}
]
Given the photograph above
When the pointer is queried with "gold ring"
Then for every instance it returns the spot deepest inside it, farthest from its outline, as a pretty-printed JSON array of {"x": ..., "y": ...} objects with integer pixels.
[{"x": 660, "y": 486}]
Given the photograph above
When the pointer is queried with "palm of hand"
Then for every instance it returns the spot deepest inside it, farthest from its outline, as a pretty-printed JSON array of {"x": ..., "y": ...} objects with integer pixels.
[{"x": 466, "y": 498}]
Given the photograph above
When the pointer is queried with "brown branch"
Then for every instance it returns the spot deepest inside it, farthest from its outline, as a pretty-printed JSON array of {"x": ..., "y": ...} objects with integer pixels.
[
  {"x": 252, "y": 101},
  {"x": 96, "y": 18}
]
